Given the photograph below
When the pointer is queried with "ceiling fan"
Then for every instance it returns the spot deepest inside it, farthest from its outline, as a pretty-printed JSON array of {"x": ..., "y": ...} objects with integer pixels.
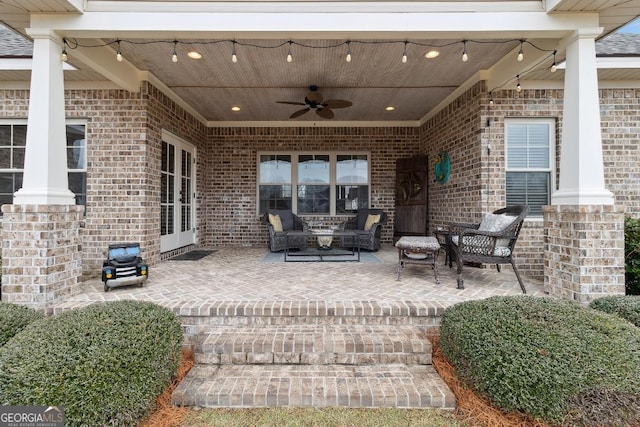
[{"x": 314, "y": 100}]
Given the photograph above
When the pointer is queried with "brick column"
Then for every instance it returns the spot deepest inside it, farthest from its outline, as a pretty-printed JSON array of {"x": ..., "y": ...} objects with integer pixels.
[
  {"x": 584, "y": 251},
  {"x": 41, "y": 259}
]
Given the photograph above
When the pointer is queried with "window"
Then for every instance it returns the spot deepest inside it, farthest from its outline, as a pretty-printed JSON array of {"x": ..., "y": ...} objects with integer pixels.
[
  {"x": 13, "y": 141},
  {"x": 313, "y": 183},
  {"x": 530, "y": 149}
]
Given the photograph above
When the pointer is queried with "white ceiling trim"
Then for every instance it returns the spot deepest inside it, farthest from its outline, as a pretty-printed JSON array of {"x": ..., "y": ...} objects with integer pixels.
[{"x": 327, "y": 124}]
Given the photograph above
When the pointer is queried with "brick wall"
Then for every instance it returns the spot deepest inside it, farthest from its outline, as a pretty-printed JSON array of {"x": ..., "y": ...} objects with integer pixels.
[
  {"x": 123, "y": 133},
  {"x": 231, "y": 162}
]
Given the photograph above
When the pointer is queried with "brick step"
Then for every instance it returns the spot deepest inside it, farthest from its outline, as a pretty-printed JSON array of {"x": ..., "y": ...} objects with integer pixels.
[
  {"x": 313, "y": 344},
  {"x": 244, "y": 386}
]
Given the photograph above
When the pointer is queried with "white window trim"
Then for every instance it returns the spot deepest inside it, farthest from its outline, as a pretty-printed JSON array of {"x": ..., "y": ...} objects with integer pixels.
[
  {"x": 333, "y": 156},
  {"x": 551, "y": 122}
]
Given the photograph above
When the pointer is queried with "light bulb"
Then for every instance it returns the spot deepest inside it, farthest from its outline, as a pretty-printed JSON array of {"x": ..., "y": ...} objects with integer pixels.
[
  {"x": 465, "y": 57},
  {"x": 554, "y": 66},
  {"x": 174, "y": 56},
  {"x": 348, "y": 58},
  {"x": 234, "y": 57},
  {"x": 63, "y": 55},
  {"x": 521, "y": 52},
  {"x": 289, "y": 57},
  {"x": 518, "y": 88},
  {"x": 118, "y": 54},
  {"x": 404, "y": 58}
]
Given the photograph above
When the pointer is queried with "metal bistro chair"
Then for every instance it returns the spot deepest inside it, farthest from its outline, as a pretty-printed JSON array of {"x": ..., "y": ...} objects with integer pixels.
[{"x": 492, "y": 241}]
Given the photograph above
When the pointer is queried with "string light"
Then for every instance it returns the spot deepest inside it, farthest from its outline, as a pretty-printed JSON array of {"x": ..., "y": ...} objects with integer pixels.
[
  {"x": 554, "y": 66},
  {"x": 234, "y": 57},
  {"x": 465, "y": 56},
  {"x": 174, "y": 57},
  {"x": 63, "y": 55},
  {"x": 289, "y": 56},
  {"x": 490, "y": 98},
  {"x": 118, "y": 53},
  {"x": 521, "y": 52},
  {"x": 348, "y": 58},
  {"x": 404, "y": 54},
  {"x": 518, "y": 87}
]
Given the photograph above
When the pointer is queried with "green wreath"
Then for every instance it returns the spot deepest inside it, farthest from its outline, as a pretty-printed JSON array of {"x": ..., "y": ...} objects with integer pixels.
[{"x": 442, "y": 167}]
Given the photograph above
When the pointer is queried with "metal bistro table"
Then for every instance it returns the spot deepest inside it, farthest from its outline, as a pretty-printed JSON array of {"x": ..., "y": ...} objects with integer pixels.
[{"x": 323, "y": 251}]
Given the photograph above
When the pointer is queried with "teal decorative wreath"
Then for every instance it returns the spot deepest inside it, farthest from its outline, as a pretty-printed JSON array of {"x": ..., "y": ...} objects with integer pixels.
[{"x": 442, "y": 167}]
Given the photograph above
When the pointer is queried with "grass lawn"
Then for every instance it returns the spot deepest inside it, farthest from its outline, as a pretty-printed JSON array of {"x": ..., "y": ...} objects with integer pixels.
[{"x": 325, "y": 417}]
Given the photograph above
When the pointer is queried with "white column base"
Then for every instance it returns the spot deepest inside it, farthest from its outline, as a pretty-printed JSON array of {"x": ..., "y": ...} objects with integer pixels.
[
  {"x": 47, "y": 196},
  {"x": 581, "y": 197}
]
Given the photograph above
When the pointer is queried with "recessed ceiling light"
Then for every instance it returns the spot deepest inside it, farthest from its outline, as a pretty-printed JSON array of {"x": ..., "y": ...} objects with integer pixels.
[
  {"x": 235, "y": 108},
  {"x": 194, "y": 55},
  {"x": 432, "y": 54},
  {"x": 390, "y": 108}
]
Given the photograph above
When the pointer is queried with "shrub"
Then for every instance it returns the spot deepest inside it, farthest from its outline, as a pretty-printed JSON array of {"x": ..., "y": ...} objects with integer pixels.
[
  {"x": 627, "y": 307},
  {"x": 14, "y": 318},
  {"x": 105, "y": 363},
  {"x": 632, "y": 256},
  {"x": 551, "y": 359}
]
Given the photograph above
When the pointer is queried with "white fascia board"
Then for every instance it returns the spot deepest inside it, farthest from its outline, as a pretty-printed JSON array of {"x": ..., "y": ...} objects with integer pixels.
[
  {"x": 611, "y": 63},
  {"x": 294, "y": 6},
  {"x": 23, "y": 64},
  {"x": 323, "y": 25}
]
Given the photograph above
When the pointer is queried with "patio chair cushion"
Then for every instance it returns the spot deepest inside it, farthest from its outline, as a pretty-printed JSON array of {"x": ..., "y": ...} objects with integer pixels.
[
  {"x": 286, "y": 217},
  {"x": 371, "y": 219},
  {"x": 471, "y": 245},
  {"x": 276, "y": 222},
  {"x": 496, "y": 222},
  {"x": 363, "y": 215}
]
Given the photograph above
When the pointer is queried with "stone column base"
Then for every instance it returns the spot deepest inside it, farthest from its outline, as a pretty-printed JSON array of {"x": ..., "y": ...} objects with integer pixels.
[
  {"x": 584, "y": 251},
  {"x": 41, "y": 253}
]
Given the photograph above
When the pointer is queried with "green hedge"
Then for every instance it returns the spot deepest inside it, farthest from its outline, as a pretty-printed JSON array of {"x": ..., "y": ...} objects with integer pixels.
[
  {"x": 632, "y": 255},
  {"x": 551, "y": 359},
  {"x": 627, "y": 307},
  {"x": 14, "y": 318},
  {"x": 105, "y": 363}
]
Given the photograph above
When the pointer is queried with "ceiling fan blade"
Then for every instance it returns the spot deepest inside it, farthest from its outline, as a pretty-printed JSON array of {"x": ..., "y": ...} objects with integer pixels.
[
  {"x": 325, "y": 113},
  {"x": 299, "y": 113},
  {"x": 314, "y": 97},
  {"x": 337, "y": 103},
  {"x": 290, "y": 103}
]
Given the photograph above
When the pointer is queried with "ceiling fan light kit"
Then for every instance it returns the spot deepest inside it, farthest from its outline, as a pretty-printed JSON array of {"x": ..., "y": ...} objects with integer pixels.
[{"x": 315, "y": 101}]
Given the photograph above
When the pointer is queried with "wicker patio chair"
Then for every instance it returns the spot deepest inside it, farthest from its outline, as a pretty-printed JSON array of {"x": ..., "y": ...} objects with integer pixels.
[
  {"x": 492, "y": 241},
  {"x": 288, "y": 221},
  {"x": 366, "y": 227}
]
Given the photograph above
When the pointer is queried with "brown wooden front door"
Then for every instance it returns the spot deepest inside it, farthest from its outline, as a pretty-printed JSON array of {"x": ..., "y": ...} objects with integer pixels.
[{"x": 412, "y": 201}]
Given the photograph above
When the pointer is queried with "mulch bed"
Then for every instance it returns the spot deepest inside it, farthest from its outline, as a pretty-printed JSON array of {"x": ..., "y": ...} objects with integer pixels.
[{"x": 472, "y": 410}]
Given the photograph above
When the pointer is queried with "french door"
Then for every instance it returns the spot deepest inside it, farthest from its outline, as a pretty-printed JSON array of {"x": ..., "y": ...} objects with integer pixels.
[{"x": 177, "y": 195}]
